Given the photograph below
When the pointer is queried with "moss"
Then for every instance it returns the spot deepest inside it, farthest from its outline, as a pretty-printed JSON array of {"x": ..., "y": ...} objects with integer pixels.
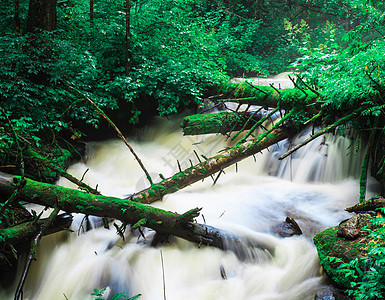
[
  {"x": 157, "y": 189},
  {"x": 220, "y": 122},
  {"x": 329, "y": 244},
  {"x": 141, "y": 222},
  {"x": 203, "y": 170}
]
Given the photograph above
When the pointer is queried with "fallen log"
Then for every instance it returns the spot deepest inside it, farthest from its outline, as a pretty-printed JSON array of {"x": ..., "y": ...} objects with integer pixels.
[
  {"x": 266, "y": 96},
  {"x": 23, "y": 232},
  {"x": 210, "y": 166},
  {"x": 137, "y": 214},
  {"x": 220, "y": 122}
]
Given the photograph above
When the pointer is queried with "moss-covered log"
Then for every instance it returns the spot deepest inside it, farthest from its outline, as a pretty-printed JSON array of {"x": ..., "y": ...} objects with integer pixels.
[
  {"x": 210, "y": 166},
  {"x": 25, "y": 231},
  {"x": 221, "y": 122},
  {"x": 137, "y": 214},
  {"x": 265, "y": 96}
]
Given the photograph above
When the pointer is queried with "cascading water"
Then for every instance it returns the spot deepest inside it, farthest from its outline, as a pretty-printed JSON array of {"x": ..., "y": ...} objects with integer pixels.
[{"x": 312, "y": 186}]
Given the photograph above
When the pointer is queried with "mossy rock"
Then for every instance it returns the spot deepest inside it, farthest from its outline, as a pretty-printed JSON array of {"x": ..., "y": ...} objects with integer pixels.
[{"x": 330, "y": 244}]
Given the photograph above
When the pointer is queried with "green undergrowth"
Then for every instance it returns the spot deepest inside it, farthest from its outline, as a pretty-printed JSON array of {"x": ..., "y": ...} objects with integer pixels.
[
  {"x": 358, "y": 265},
  {"x": 99, "y": 295}
]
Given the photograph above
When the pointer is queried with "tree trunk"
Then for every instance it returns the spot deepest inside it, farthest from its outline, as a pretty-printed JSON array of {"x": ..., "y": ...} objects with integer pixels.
[
  {"x": 92, "y": 23},
  {"x": 128, "y": 38},
  {"x": 265, "y": 96},
  {"x": 42, "y": 15},
  {"x": 209, "y": 167},
  {"x": 17, "y": 17},
  {"x": 163, "y": 222},
  {"x": 221, "y": 122},
  {"x": 23, "y": 232}
]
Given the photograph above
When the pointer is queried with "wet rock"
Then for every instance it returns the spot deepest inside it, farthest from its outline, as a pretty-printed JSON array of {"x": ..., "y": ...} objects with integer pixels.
[
  {"x": 287, "y": 228},
  {"x": 351, "y": 228},
  {"x": 330, "y": 293},
  {"x": 330, "y": 244}
]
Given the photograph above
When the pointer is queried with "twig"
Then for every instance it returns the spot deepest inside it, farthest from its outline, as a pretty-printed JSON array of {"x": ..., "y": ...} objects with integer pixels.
[
  {"x": 84, "y": 174},
  {"x": 308, "y": 86},
  {"x": 313, "y": 118},
  {"x": 296, "y": 85},
  {"x": 321, "y": 132},
  {"x": 272, "y": 85},
  {"x": 117, "y": 131},
  {"x": 246, "y": 123},
  {"x": 32, "y": 254},
  {"x": 216, "y": 179},
  {"x": 164, "y": 279},
  {"x": 196, "y": 154},
  {"x": 253, "y": 86},
  {"x": 63, "y": 173},
  {"x": 263, "y": 119},
  {"x": 281, "y": 121}
]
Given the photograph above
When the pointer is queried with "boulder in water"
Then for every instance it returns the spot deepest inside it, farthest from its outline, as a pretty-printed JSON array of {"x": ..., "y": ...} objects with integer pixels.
[
  {"x": 330, "y": 293},
  {"x": 287, "y": 228}
]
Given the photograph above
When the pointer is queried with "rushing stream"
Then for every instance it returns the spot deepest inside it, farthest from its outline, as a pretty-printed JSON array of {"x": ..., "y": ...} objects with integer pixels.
[{"x": 313, "y": 187}]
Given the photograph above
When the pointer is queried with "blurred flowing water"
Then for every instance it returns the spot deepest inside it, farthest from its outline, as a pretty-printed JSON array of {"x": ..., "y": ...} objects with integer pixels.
[{"x": 313, "y": 186}]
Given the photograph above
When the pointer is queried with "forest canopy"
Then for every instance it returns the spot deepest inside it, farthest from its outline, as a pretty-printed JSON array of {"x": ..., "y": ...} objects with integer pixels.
[{"x": 177, "y": 50}]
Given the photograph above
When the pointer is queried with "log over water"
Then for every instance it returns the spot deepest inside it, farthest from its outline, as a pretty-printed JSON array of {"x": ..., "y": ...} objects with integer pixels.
[{"x": 137, "y": 214}]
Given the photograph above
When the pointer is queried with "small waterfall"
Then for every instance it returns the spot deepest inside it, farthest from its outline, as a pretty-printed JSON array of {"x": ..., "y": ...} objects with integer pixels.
[
  {"x": 326, "y": 159},
  {"x": 313, "y": 186}
]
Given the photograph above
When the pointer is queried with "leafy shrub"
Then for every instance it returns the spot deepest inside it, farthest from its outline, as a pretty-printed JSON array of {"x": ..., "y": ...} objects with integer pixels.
[
  {"x": 117, "y": 296},
  {"x": 367, "y": 274}
]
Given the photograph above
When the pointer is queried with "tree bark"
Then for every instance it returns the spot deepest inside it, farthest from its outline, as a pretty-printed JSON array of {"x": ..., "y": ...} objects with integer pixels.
[
  {"x": 163, "y": 222},
  {"x": 209, "y": 167},
  {"x": 221, "y": 122},
  {"x": 42, "y": 15}
]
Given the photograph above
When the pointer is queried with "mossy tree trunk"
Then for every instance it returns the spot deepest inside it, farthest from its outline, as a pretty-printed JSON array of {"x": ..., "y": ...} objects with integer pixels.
[
  {"x": 210, "y": 166},
  {"x": 265, "y": 96},
  {"x": 70, "y": 200},
  {"x": 221, "y": 122}
]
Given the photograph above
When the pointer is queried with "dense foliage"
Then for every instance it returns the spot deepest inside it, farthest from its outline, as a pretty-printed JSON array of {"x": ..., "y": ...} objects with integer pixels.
[
  {"x": 348, "y": 66},
  {"x": 178, "y": 50},
  {"x": 367, "y": 273}
]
